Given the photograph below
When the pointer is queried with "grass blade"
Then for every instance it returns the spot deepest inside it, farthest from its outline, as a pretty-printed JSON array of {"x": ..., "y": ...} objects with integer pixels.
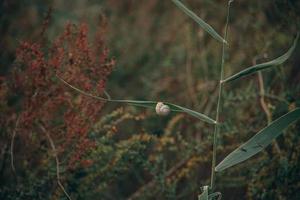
[
  {"x": 259, "y": 141},
  {"x": 191, "y": 112},
  {"x": 146, "y": 104},
  {"x": 199, "y": 21},
  {"x": 266, "y": 65}
]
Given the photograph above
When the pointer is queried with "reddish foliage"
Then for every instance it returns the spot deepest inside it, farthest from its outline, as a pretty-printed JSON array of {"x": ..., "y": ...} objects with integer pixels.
[{"x": 66, "y": 115}]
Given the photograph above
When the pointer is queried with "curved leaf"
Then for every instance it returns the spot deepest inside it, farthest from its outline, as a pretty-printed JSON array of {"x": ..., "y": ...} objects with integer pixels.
[
  {"x": 191, "y": 112},
  {"x": 259, "y": 141},
  {"x": 146, "y": 104},
  {"x": 262, "y": 66},
  {"x": 173, "y": 107},
  {"x": 199, "y": 21}
]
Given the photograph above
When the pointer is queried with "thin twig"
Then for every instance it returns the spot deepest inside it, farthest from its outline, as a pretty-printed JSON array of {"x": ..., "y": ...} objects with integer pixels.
[
  {"x": 262, "y": 89},
  {"x": 217, "y": 126},
  {"x": 12, "y": 147},
  {"x": 262, "y": 98},
  {"x": 265, "y": 106},
  {"x": 107, "y": 95},
  {"x": 56, "y": 159},
  {"x": 46, "y": 21}
]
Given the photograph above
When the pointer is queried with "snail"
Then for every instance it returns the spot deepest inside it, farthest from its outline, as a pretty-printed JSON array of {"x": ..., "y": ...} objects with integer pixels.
[{"x": 162, "y": 109}]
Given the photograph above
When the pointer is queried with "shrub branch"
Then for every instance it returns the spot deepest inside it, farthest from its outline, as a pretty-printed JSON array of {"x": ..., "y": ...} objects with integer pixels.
[{"x": 56, "y": 160}]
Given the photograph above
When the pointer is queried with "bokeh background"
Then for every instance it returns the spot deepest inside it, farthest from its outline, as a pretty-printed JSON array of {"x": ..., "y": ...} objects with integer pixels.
[{"x": 161, "y": 54}]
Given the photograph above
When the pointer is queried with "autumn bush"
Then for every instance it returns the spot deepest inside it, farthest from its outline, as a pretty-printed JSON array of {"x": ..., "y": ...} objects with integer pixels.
[{"x": 37, "y": 104}]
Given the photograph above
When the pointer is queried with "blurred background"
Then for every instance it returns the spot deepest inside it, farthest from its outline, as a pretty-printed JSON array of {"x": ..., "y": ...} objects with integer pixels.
[{"x": 161, "y": 54}]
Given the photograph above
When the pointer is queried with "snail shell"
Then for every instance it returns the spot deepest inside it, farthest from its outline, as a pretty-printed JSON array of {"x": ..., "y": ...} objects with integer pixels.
[{"x": 162, "y": 109}]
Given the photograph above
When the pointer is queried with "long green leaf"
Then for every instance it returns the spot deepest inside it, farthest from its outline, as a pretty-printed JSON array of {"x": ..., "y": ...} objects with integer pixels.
[
  {"x": 259, "y": 141},
  {"x": 262, "y": 66},
  {"x": 200, "y": 21},
  {"x": 191, "y": 112},
  {"x": 146, "y": 104}
]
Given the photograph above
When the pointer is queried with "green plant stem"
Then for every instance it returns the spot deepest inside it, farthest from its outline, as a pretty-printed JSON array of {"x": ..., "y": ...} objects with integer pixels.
[{"x": 217, "y": 125}]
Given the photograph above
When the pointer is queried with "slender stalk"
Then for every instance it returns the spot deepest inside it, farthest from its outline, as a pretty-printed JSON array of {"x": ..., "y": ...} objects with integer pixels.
[
  {"x": 217, "y": 125},
  {"x": 265, "y": 107},
  {"x": 56, "y": 160},
  {"x": 12, "y": 147},
  {"x": 262, "y": 98}
]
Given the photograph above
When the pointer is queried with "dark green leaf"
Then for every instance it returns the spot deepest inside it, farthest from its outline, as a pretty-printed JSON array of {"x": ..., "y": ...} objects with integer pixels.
[
  {"x": 191, "y": 112},
  {"x": 200, "y": 21},
  {"x": 262, "y": 66},
  {"x": 259, "y": 141}
]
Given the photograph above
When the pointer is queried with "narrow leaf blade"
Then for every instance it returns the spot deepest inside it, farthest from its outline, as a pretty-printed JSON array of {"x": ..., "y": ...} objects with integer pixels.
[
  {"x": 173, "y": 107},
  {"x": 146, "y": 104},
  {"x": 199, "y": 21},
  {"x": 259, "y": 141},
  {"x": 266, "y": 65},
  {"x": 192, "y": 113}
]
